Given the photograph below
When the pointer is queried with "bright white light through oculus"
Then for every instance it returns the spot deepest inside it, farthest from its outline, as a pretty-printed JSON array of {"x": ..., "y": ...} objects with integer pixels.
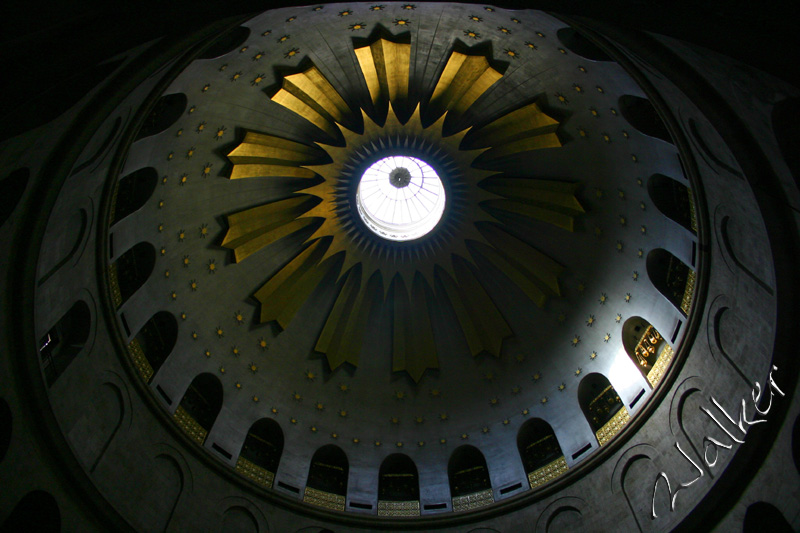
[{"x": 400, "y": 198}]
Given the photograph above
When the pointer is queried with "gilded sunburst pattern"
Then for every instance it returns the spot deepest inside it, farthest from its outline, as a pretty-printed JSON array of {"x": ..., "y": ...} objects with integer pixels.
[{"x": 403, "y": 274}]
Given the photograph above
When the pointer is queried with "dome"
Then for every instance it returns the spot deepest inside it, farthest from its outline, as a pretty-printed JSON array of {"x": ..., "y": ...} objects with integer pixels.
[{"x": 405, "y": 266}]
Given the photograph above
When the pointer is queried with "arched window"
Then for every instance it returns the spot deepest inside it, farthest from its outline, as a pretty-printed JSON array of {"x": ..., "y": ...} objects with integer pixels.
[
  {"x": 470, "y": 486},
  {"x": 674, "y": 199},
  {"x": 647, "y": 348},
  {"x": 132, "y": 192},
  {"x": 327, "y": 478},
  {"x": 541, "y": 454},
  {"x": 261, "y": 452},
  {"x": 672, "y": 278},
  {"x": 199, "y": 407},
  {"x": 154, "y": 342},
  {"x": 59, "y": 346},
  {"x": 641, "y": 114},
  {"x": 165, "y": 112},
  {"x": 128, "y": 273},
  {"x": 602, "y": 407},
  {"x": 398, "y": 487}
]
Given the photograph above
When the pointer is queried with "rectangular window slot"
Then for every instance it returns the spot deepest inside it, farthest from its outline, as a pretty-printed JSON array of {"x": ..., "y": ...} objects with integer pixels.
[
  {"x": 125, "y": 325},
  {"x": 111, "y": 245},
  {"x": 677, "y": 329},
  {"x": 512, "y": 488},
  {"x": 582, "y": 451},
  {"x": 164, "y": 395},
  {"x": 221, "y": 451},
  {"x": 694, "y": 253},
  {"x": 361, "y": 505},
  {"x": 434, "y": 506},
  {"x": 638, "y": 397},
  {"x": 283, "y": 485}
]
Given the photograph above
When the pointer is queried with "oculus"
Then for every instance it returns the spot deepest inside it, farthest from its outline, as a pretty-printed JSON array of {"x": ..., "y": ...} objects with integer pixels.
[{"x": 400, "y": 198}]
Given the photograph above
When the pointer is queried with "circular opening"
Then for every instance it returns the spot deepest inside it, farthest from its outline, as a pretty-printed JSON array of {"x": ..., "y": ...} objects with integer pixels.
[{"x": 400, "y": 198}]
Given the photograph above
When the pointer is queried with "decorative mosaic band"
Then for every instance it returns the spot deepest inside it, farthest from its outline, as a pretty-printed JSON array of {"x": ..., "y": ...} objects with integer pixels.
[
  {"x": 324, "y": 499},
  {"x": 473, "y": 501},
  {"x": 692, "y": 212},
  {"x": 660, "y": 366},
  {"x": 250, "y": 470},
  {"x": 140, "y": 361},
  {"x": 548, "y": 472},
  {"x": 113, "y": 281},
  {"x": 190, "y": 425},
  {"x": 613, "y": 426},
  {"x": 389, "y": 508},
  {"x": 688, "y": 293}
]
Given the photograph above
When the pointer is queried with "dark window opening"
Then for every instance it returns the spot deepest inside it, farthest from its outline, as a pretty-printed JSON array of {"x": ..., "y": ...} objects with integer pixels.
[
  {"x": 167, "y": 110},
  {"x": 578, "y": 44},
  {"x": 598, "y": 400},
  {"x": 263, "y": 445},
  {"x": 132, "y": 269},
  {"x": 157, "y": 338},
  {"x": 132, "y": 192},
  {"x": 467, "y": 472},
  {"x": 398, "y": 479},
  {"x": 537, "y": 445},
  {"x": 673, "y": 199},
  {"x": 203, "y": 400},
  {"x": 671, "y": 277},
  {"x": 640, "y": 113},
  {"x": 329, "y": 470}
]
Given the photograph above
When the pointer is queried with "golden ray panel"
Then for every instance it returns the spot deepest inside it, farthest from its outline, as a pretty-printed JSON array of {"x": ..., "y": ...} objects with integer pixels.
[{"x": 404, "y": 276}]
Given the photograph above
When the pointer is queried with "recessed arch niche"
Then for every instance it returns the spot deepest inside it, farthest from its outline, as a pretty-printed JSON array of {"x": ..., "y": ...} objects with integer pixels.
[
  {"x": 199, "y": 407},
  {"x": 398, "y": 486},
  {"x": 672, "y": 277},
  {"x": 153, "y": 344},
  {"x": 64, "y": 341},
  {"x": 673, "y": 199},
  {"x": 36, "y": 511},
  {"x": 647, "y": 348},
  {"x": 261, "y": 452},
  {"x": 470, "y": 486},
  {"x": 327, "y": 478},
  {"x": 130, "y": 271},
  {"x": 602, "y": 407},
  {"x": 540, "y": 452}
]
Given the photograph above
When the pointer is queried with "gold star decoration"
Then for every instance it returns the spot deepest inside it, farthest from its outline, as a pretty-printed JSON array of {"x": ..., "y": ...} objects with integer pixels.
[
  {"x": 309, "y": 375},
  {"x": 575, "y": 340},
  {"x": 607, "y": 337},
  {"x": 627, "y": 297},
  {"x": 212, "y": 267},
  {"x": 590, "y": 321},
  {"x": 343, "y": 413},
  {"x": 319, "y": 406},
  {"x": 253, "y": 367},
  {"x": 343, "y": 387}
]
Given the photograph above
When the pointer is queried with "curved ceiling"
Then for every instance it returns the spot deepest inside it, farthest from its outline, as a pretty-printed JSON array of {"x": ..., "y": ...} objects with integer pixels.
[{"x": 343, "y": 337}]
